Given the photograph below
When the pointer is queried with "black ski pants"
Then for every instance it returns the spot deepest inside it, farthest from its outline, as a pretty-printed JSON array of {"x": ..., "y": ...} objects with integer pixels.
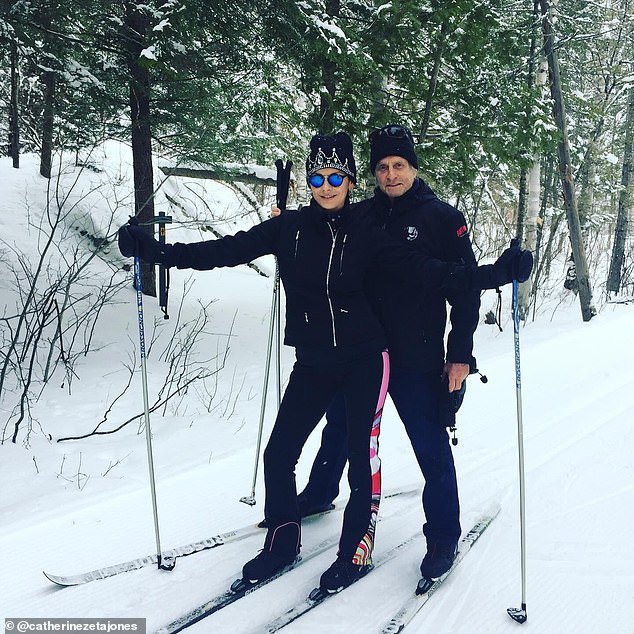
[{"x": 311, "y": 388}]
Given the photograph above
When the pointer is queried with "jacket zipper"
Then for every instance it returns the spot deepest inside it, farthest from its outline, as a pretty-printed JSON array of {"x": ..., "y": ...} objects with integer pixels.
[
  {"x": 332, "y": 312},
  {"x": 296, "y": 243},
  {"x": 387, "y": 216},
  {"x": 343, "y": 247}
]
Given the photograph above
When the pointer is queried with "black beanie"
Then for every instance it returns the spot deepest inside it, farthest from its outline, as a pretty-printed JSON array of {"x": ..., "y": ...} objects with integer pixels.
[
  {"x": 392, "y": 140},
  {"x": 331, "y": 151}
]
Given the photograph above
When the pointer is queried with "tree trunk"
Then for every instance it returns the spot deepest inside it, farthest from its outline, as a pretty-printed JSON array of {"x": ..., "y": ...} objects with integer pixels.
[
  {"x": 521, "y": 205},
  {"x": 327, "y": 98},
  {"x": 530, "y": 179},
  {"x": 329, "y": 81},
  {"x": 433, "y": 82},
  {"x": 586, "y": 178},
  {"x": 528, "y": 236},
  {"x": 586, "y": 196},
  {"x": 49, "y": 82},
  {"x": 250, "y": 174},
  {"x": 625, "y": 202},
  {"x": 565, "y": 168},
  {"x": 14, "y": 121},
  {"x": 140, "y": 88},
  {"x": 549, "y": 180},
  {"x": 48, "y": 123}
]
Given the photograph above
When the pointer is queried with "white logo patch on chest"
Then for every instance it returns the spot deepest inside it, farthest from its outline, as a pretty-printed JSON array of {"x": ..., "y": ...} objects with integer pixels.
[{"x": 411, "y": 233}]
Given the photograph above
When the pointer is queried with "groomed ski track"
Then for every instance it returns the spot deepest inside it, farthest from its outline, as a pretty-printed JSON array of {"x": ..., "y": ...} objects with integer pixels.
[{"x": 577, "y": 382}]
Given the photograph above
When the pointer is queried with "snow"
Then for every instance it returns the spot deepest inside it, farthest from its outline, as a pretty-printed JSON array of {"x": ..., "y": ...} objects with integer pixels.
[
  {"x": 161, "y": 25},
  {"x": 330, "y": 26},
  {"x": 75, "y": 506},
  {"x": 149, "y": 52}
]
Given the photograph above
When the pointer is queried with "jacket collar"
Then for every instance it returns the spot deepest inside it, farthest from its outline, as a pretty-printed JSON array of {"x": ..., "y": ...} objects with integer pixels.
[
  {"x": 417, "y": 193},
  {"x": 332, "y": 218}
]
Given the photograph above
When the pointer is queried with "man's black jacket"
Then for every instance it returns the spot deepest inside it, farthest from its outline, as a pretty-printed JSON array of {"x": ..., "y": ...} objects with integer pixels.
[{"x": 415, "y": 319}]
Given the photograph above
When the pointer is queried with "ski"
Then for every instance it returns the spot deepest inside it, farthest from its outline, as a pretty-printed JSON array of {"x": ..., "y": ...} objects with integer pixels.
[
  {"x": 183, "y": 551},
  {"x": 142, "y": 562},
  {"x": 317, "y": 596},
  {"x": 239, "y": 589},
  {"x": 426, "y": 587}
]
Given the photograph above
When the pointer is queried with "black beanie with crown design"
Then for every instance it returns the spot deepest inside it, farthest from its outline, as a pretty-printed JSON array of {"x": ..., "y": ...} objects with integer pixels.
[{"x": 333, "y": 152}]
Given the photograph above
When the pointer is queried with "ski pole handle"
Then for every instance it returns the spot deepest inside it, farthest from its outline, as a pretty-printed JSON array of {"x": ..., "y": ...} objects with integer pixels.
[{"x": 283, "y": 182}]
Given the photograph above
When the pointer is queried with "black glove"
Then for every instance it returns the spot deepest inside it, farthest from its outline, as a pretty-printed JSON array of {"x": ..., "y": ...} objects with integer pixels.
[
  {"x": 513, "y": 264},
  {"x": 136, "y": 241}
]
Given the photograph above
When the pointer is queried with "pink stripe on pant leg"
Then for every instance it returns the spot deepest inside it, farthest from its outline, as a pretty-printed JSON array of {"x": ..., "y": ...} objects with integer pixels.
[
  {"x": 385, "y": 381},
  {"x": 363, "y": 554}
]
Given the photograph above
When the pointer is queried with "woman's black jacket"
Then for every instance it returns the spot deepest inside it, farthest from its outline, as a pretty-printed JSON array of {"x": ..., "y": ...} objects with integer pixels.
[{"x": 324, "y": 259}]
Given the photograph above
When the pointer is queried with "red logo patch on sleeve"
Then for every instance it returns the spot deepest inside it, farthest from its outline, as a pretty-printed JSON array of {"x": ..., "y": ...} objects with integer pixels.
[{"x": 461, "y": 230}]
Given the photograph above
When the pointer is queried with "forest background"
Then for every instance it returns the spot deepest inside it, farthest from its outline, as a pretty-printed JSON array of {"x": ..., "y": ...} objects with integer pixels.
[{"x": 523, "y": 115}]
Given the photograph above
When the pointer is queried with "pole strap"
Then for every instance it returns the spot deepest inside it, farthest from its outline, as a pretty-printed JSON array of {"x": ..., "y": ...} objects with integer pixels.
[{"x": 164, "y": 273}]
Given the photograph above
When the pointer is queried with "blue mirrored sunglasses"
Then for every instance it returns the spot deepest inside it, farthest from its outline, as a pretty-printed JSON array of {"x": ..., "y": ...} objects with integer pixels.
[{"x": 317, "y": 180}]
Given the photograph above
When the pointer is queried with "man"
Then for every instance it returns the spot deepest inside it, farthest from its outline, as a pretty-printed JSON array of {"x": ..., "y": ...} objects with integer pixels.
[{"x": 424, "y": 382}]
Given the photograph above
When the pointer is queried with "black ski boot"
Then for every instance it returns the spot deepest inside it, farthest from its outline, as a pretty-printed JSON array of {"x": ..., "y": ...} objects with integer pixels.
[
  {"x": 341, "y": 574},
  {"x": 439, "y": 558},
  {"x": 306, "y": 509},
  {"x": 281, "y": 548}
]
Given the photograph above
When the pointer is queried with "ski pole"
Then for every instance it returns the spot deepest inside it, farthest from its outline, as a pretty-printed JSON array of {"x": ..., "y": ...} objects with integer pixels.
[
  {"x": 283, "y": 182},
  {"x": 250, "y": 499},
  {"x": 519, "y": 614},
  {"x": 278, "y": 336},
  {"x": 166, "y": 563}
]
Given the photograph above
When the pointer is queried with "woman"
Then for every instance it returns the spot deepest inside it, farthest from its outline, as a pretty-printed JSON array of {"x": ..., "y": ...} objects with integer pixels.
[{"x": 325, "y": 251}]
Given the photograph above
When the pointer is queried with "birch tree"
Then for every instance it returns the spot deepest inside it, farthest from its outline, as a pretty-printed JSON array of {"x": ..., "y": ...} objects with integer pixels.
[
  {"x": 565, "y": 166},
  {"x": 529, "y": 222}
]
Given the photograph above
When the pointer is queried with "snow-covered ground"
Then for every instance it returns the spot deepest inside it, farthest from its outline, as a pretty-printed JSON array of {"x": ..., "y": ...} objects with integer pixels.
[{"x": 78, "y": 505}]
